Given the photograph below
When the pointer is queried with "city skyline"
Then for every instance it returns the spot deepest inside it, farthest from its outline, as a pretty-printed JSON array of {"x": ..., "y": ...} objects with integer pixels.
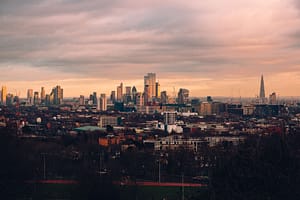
[
  {"x": 215, "y": 48},
  {"x": 120, "y": 88}
]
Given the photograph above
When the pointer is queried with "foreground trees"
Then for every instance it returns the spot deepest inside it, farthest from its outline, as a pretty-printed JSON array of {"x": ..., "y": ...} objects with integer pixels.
[{"x": 261, "y": 168}]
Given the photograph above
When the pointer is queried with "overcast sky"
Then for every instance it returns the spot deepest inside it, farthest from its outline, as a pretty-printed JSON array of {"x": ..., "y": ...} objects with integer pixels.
[{"x": 215, "y": 47}]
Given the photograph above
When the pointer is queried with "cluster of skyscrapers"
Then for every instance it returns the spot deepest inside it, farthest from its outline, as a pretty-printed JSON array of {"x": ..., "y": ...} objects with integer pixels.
[
  {"x": 54, "y": 98},
  {"x": 151, "y": 94},
  {"x": 126, "y": 95}
]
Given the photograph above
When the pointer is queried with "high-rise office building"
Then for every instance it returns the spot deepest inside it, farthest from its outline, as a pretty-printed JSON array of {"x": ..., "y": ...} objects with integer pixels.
[
  {"x": 103, "y": 102},
  {"x": 139, "y": 99},
  {"x": 206, "y": 108},
  {"x": 146, "y": 94},
  {"x": 163, "y": 97},
  {"x": 56, "y": 95},
  {"x": 120, "y": 93},
  {"x": 9, "y": 99},
  {"x": 36, "y": 98},
  {"x": 43, "y": 94},
  {"x": 113, "y": 96},
  {"x": 81, "y": 100},
  {"x": 157, "y": 90},
  {"x": 183, "y": 96},
  {"x": 150, "y": 86},
  {"x": 134, "y": 92},
  {"x": 128, "y": 90},
  {"x": 262, "y": 97},
  {"x": 127, "y": 94},
  {"x": 3, "y": 95},
  {"x": 94, "y": 98},
  {"x": 262, "y": 88},
  {"x": 30, "y": 96},
  {"x": 273, "y": 99}
]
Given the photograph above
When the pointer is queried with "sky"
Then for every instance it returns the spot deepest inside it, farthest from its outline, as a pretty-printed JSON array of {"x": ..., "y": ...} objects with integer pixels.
[{"x": 215, "y": 47}]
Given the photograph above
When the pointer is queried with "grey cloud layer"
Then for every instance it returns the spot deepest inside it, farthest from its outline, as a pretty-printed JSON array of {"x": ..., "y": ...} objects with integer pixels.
[{"x": 101, "y": 38}]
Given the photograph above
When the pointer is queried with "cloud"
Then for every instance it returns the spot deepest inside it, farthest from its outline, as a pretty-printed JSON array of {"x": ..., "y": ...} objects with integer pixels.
[{"x": 217, "y": 40}]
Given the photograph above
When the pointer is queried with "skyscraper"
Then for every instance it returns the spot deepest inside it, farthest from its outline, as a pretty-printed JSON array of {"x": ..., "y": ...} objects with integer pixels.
[
  {"x": 139, "y": 99},
  {"x": 272, "y": 98},
  {"x": 36, "y": 98},
  {"x": 150, "y": 86},
  {"x": 81, "y": 100},
  {"x": 56, "y": 96},
  {"x": 127, "y": 94},
  {"x": 103, "y": 102},
  {"x": 262, "y": 88},
  {"x": 134, "y": 92},
  {"x": 183, "y": 96},
  {"x": 157, "y": 90},
  {"x": 120, "y": 93},
  {"x": 43, "y": 94},
  {"x": 113, "y": 96},
  {"x": 30, "y": 96},
  {"x": 164, "y": 97},
  {"x": 3, "y": 95}
]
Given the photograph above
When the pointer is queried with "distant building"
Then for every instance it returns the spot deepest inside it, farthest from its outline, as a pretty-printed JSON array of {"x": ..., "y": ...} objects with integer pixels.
[
  {"x": 36, "y": 100},
  {"x": 205, "y": 108},
  {"x": 113, "y": 96},
  {"x": 139, "y": 101},
  {"x": 262, "y": 96},
  {"x": 262, "y": 88},
  {"x": 30, "y": 96},
  {"x": 272, "y": 99},
  {"x": 163, "y": 97},
  {"x": 94, "y": 98},
  {"x": 149, "y": 86},
  {"x": 43, "y": 95},
  {"x": 134, "y": 92},
  {"x": 56, "y": 95},
  {"x": 9, "y": 99},
  {"x": 157, "y": 90},
  {"x": 169, "y": 118},
  {"x": 120, "y": 93},
  {"x": 103, "y": 102},
  {"x": 108, "y": 121},
  {"x": 183, "y": 96},
  {"x": 127, "y": 94},
  {"x": 3, "y": 95},
  {"x": 81, "y": 100}
]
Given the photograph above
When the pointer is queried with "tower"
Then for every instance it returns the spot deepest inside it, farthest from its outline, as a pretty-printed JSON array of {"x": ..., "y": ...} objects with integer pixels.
[
  {"x": 43, "y": 94},
  {"x": 103, "y": 102},
  {"x": 120, "y": 93},
  {"x": 30, "y": 96},
  {"x": 262, "y": 88},
  {"x": 157, "y": 90},
  {"x": 150, "y": 86},
  {"x": 3, "y": 95},
  {"x": 183, "y": 96}
]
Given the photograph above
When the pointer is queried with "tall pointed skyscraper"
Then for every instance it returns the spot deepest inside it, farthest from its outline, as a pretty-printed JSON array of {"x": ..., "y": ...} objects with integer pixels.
[{"x": 262, "y": 88}]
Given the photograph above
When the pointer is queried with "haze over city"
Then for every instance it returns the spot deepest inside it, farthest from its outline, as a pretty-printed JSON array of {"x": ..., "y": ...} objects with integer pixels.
[{"x": 217, "y": 48}]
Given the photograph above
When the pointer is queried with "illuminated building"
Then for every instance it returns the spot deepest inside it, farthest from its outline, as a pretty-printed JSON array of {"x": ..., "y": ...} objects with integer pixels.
[
  {"x": 183, "y": 96},
  {"x": 103, "y": 102},
  {"x": 43, "y": 94},
  {"x": 3, "y": 95},
  {"x": 150, "y": 86},
  {"x": 157, "y": 90},
  {"x": 120, "y": 93},
  {"x": 30, "y": 96}
]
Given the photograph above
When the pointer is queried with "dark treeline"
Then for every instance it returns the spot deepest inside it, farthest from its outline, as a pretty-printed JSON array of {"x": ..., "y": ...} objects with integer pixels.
[{"x": 263, "y": 167}]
